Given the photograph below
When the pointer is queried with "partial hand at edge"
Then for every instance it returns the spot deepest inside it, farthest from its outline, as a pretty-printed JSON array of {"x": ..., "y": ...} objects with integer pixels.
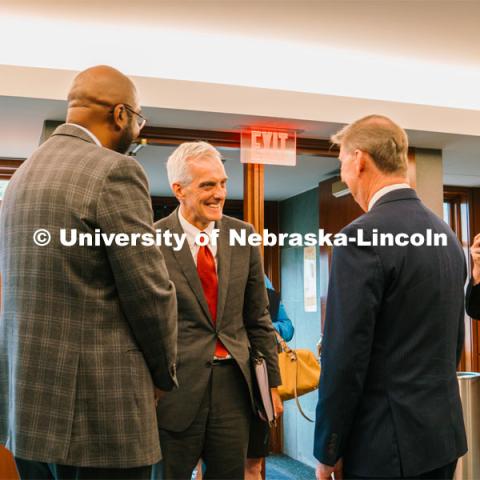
[
  {"x": 475, "y": 252},
  {"x": 158, "y": 394},
  {"x": 277, "y": 402},
  {"x": 324, "y": 472}
]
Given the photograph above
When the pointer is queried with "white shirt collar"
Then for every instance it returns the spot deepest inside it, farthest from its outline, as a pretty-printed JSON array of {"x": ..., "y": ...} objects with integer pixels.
[
  {"x": 383, "y": 191},
  {"x": 88, "y": 132},
  {"x": 191, "y": 231}
]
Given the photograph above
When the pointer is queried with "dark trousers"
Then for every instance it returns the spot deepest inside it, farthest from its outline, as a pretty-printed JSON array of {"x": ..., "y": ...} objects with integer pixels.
[
  {"x": 443, "y": 473},
  {"x": 258, "y": 441},
  {"x": 30, "y": 470},
  {"x": 219, "y": 433}
]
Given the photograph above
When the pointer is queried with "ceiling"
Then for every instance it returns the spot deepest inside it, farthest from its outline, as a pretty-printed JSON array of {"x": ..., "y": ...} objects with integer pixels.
[
  {"x": 409, "y": 51},
  {"x": 400, "y": 28},
  {"x": 21, "y": 122},
  {"x": 352, "y": 54}
]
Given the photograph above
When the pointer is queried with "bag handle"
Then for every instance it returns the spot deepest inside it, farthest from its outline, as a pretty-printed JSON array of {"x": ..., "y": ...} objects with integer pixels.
[
  {"x": 293, "y": 357},
  {"x": 284, "y": 346},
  {"x": 297, "y": 401}
]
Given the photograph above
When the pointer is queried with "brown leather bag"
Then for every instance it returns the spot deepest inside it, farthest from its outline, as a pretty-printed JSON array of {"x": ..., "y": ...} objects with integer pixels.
[{"x": 300, "y": 372}]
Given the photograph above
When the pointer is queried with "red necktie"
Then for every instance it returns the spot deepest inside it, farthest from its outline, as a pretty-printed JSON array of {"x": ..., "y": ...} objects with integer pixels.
[{"x": 208, "y": 276}]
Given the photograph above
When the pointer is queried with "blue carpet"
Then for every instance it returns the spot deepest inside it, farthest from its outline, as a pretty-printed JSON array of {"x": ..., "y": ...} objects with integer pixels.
[{"x": 281, "y": 467}]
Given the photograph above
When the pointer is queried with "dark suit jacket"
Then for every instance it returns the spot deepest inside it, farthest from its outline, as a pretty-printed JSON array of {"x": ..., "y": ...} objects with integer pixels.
[
  {"x": 473, "y": 300},
  {"x": 389, "y": 401},
  {"x": 83, "y": 330},
  {"x": 242, "y": 319}
]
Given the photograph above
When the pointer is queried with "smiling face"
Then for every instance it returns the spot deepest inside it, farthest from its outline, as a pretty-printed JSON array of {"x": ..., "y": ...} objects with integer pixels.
[{"x": 202, "y": 199}]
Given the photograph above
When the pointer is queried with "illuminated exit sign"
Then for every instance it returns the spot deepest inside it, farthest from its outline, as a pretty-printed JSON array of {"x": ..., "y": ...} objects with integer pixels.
[{"x": 269, "y": 147}]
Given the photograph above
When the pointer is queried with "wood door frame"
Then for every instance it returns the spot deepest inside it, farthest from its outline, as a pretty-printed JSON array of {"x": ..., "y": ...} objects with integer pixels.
[
  {"x": 8, "y": 166},
  {"x": 163, "y": 136},
  {"x": 469, "y": 198}
]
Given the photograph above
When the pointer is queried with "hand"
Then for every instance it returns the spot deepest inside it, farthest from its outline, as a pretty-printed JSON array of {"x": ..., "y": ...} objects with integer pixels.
[
  {"x": 475, "y": 251},
  {"x": 158, "y": 394},
  {"x": 277, "y": 402},
  {"x": 324, "y": 472}
]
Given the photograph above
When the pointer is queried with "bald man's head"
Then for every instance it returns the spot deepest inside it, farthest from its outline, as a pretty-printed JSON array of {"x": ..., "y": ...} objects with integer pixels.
[
  {"x": 105, "y": 101},
  {"x": 101, "y": 85}
]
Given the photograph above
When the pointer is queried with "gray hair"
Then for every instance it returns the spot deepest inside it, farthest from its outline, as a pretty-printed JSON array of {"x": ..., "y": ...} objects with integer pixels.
[
  {"x": 178, "y": 162},
  {"x": 383, "y": 139}
]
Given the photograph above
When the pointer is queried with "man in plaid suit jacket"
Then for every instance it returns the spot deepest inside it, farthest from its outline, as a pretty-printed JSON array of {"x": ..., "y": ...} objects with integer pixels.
[{"x": 86, "y": 332}]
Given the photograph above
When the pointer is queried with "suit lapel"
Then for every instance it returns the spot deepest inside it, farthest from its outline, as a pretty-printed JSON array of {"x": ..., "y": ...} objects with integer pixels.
[
  {"x": 185, "y": 260},
  {"x": 224, "y": 253}
]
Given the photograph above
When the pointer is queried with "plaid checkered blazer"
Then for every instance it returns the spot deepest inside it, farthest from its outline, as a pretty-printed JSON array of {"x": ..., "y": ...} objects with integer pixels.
[{"x": 85, "y": 332}]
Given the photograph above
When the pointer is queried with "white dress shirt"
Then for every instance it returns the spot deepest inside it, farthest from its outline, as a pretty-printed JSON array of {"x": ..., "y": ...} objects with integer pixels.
[
  {"x": 88, "y": 132},
  {"x": 383, "y": 191},
  {"x": 191, "y": 231}
]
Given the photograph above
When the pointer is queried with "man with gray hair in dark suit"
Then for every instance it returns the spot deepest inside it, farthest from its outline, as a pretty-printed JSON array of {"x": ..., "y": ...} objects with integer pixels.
[
  {"x": 87, "y": 332},
  {"x": 388, "y": 401},
  {"x": 222, "y": 311}
]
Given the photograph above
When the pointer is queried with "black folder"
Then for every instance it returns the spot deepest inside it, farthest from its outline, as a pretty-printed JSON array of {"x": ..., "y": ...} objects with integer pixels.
[{"x": 261, "y": 388}]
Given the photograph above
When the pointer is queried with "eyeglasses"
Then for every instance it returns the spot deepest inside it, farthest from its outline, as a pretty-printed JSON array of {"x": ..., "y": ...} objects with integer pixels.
[{"x": 141, "y": 120}]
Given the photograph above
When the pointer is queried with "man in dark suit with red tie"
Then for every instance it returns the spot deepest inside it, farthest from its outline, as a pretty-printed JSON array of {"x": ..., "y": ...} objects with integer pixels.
[{"x": 222, "y": 309}]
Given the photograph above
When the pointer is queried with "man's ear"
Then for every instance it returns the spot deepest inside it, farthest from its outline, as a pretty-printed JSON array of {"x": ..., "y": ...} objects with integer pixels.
[
  {"x": 178, "y": 191},
  {"x": 360, "y": 161},
  {"x": 120, "y": 116}
]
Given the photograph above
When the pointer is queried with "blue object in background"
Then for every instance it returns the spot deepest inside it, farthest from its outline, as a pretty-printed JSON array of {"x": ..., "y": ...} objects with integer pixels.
[{"x": 283, "y": 325}]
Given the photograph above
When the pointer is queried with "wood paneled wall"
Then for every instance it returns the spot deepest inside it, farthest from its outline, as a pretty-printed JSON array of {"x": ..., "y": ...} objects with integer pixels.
[
  {"x": 335, "y": 213},
  {"x": 468, "y": 199},
  {"x": 475, "y": 229}
]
